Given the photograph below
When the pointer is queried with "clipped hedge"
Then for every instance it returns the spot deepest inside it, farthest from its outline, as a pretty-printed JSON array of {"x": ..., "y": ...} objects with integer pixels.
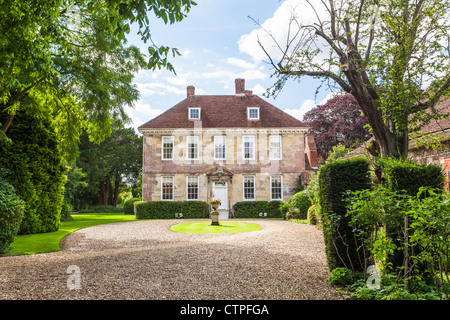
[
  {"x": 128, "y": 205},
  {"x": 167, "y": 209},
  {"x": 252, "y": 209},
  {"x": 405, "y": 175},
  {"x": 334, "y": 180}
]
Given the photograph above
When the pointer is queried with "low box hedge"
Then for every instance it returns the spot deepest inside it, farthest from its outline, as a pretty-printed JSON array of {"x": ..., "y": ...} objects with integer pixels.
[
  {"x": 252, "y": 209},
  {"x": 128, "y": 205},
  {"x": 167, "y": 209}
]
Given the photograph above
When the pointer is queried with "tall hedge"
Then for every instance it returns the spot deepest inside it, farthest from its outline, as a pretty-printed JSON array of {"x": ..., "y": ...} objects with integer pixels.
[
  {"x": 405, "y": 175},
  {"x": 167, "y": 209},
  {"x": 36, "y": 170},
  {"x": 335, "y": 179}
]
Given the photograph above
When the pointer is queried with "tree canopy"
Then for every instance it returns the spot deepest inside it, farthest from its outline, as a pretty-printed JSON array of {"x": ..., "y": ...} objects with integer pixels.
[
  {"x": 338, "y": 121},
  {"x": 391, "y": 55},
  {"x": 71, "y": 57}
]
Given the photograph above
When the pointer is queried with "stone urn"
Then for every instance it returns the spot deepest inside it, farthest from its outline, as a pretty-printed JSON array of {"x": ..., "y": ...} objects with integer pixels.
[{"x": 215, "y": 203}]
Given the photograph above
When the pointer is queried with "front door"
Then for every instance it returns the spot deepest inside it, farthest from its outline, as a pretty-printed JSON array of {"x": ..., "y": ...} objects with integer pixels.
[{"x": 220, "y": 191}]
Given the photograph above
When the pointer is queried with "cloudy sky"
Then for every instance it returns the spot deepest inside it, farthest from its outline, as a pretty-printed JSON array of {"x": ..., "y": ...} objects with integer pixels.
[{"x": 218, "y": 44}]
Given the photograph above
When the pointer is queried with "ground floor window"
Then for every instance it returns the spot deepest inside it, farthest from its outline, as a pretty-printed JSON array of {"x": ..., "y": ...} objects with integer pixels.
[
  {"x": 192, "y": 188},
  {"x": 276, "y": 188},
  {"x": 249, "y": 188},
  {"x": 167, "y": 188}
]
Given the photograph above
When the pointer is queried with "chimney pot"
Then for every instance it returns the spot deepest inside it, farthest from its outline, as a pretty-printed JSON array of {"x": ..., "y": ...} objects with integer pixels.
[{"x": 190, "y": 91}]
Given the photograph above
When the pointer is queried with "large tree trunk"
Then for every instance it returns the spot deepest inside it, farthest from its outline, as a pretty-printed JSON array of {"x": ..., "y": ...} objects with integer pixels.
[
  {"x": 104, "y": 192},
  {"x": 116, "y": 191}
]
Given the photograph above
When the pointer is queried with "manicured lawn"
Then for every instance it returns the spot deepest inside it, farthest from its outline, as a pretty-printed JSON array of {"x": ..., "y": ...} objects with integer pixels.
[
  {"x": 206, "y": 227},
  {"x": 49, "y": 242}
]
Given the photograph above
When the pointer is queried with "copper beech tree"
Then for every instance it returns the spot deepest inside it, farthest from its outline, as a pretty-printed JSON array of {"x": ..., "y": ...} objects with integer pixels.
[{"x": 391, "y": 55}]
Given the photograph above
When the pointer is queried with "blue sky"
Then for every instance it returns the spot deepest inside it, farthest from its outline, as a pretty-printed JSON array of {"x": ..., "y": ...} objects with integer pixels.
[{"x": 218, "y": 44}]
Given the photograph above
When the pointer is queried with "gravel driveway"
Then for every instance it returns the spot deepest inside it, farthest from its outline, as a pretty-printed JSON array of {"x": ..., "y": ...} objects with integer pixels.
[{"x": 145, "y": 260}]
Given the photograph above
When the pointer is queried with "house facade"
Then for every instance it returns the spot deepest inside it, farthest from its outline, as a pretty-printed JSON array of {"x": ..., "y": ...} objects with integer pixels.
[{"x": 230, "y": 147}]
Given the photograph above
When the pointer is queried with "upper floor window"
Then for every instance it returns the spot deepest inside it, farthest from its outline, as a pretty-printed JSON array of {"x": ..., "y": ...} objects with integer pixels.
[
  {"x": 194, "y": 113},
  {"x": 192, "y": 147},
  {"x": 253, "y": 113},
  {"x": 275, "y": 147},
  {"x": 219, "y": 147},
  {"x": 167, "y": 147},
  {"x": 249, "y": 147}
]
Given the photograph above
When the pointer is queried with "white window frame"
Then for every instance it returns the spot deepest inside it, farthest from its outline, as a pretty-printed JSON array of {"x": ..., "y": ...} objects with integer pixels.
[
  {"x": 248, "y": 113},
  {"x": 187, "y": 188},
  {"x": 172, "y": 141},
  {"x": 271, "y": 188},
  {"x": 188, "y": 154},
  {"x": 253, "y": 141},
  {"x": 224, "y": 142},
  {"x": 279, "y": 140},
  {"x": 190, "y": 115},
  {"x": 243, "y": 188},
  {"x": 162, "y": 188}
]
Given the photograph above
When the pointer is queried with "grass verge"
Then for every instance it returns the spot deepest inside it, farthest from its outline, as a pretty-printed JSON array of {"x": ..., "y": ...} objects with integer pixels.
[
  {"x": 206, "y": 227},
  {"x": 49, "y": 242}
]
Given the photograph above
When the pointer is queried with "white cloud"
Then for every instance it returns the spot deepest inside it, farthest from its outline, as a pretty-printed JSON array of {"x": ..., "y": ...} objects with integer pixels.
[
  {"x": 141, "y": 113},
  {"x": 258, "y": 89},
  {"x": 148, "y": 89},
  {"x": 240, "y": 63},
  {"x": 307, "y": 105},
  {"x": 278, "y": 27},
  {"x": 178, "y": 81}
]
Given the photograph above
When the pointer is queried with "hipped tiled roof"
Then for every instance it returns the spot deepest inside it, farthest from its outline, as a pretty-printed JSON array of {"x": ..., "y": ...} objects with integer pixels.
[{"x": 223, "y": 111}]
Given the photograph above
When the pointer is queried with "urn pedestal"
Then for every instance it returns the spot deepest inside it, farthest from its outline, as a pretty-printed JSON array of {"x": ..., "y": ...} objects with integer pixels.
[{"x": 215, "y": 213}]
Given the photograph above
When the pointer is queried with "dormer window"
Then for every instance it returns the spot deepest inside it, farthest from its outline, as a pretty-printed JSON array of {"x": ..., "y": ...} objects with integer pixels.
[
  {"x": 194, "y": 113},
  {"x": 253, "y": 113}
]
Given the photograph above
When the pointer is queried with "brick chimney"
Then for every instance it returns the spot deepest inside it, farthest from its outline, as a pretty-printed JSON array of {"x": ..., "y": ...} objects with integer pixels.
[
  {"x": 311, "y": 150},
  {"x": 190, "y": 91},
  {"x": 240, "y": 86}
]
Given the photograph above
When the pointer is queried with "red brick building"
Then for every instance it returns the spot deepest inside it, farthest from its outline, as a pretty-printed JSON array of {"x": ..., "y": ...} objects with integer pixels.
[{"x": 232, "y": 147}]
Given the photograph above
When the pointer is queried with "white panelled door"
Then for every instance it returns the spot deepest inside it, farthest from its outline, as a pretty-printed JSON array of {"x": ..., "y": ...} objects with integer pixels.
[{"x": 220, "y": 191}]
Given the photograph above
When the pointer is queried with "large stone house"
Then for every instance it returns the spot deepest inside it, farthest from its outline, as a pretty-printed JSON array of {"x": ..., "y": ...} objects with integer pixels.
[{"x": 231, "y": 147}]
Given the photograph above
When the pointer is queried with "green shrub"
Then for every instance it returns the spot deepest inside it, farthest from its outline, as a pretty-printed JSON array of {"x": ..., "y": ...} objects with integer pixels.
[
  {"x": 66, "y": 210},
  {"x": 11, "y": 213},
  {"x": 284, "y": 209},
  {"x": 250, "y": 209},
  {"x": 293, "y": 214},
  {"x": 302, "y": 201},
  {"x": 406, "y": 176},
  {"x": 167, "y": 209},
  {"x": 340, "y": 276},
  {"x": 128, "y": 205},
  {"x": 312, "y": 215},
  {"x": 334, "y": 180}
]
